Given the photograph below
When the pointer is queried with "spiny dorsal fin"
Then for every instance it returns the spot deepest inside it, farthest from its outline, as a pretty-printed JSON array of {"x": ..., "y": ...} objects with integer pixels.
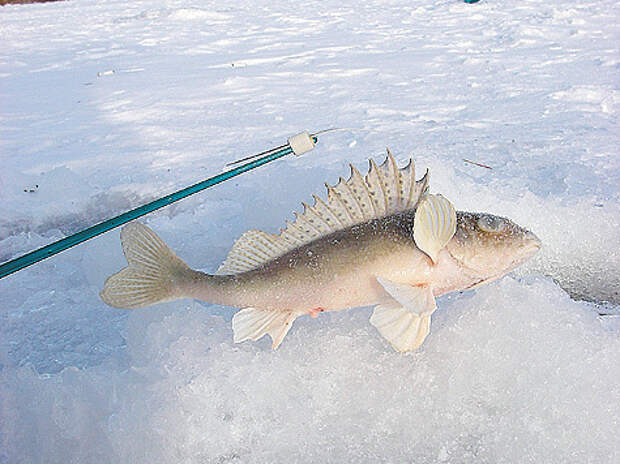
[{"x": 385, "y": 190}]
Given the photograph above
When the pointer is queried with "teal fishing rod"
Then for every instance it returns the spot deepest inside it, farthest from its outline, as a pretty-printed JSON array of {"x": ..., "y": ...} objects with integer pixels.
[{"x": 298, "y": 145}]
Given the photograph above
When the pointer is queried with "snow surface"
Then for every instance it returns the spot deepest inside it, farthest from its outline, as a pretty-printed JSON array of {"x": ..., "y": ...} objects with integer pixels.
[{"x": 105, "y": 105}]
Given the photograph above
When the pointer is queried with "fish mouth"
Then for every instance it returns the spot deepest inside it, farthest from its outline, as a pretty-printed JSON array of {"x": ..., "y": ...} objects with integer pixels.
[
  {"x": 528, "y": 249},
  {"x": 532, "y": 245}
]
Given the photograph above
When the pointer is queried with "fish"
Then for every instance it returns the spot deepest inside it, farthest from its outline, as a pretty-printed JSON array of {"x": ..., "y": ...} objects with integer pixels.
[{"x": 378, "y": 240}]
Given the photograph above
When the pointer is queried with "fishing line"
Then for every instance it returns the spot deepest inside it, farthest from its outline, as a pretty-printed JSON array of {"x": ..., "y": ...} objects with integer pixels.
[{"x": 314, "y": 135}]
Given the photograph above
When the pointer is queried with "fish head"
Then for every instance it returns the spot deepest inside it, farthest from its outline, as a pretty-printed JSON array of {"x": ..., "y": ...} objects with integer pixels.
[{"x": 489, "y": 246}]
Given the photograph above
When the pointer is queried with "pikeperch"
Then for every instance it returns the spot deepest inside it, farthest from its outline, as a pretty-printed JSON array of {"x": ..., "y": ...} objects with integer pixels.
[{"x": 377, "y": 240}]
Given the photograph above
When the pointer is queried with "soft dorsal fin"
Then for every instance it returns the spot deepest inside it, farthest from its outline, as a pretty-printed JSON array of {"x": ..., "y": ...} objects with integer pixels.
[{"x": 385, "y": 190}]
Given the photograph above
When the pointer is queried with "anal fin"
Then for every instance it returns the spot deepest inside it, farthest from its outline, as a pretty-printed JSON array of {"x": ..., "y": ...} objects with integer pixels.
[{"x": 252, "y": 324}]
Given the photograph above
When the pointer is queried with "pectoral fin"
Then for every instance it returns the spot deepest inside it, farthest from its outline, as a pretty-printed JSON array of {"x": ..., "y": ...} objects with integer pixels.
[
  {"x": 434, "y": 225},
  {"x": 252, "y": 324},
  {"x": 405, "y": 322}
]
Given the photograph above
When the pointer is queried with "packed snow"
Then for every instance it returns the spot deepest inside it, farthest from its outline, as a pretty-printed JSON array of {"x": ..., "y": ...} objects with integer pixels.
[{"x": 107, "y": 104}]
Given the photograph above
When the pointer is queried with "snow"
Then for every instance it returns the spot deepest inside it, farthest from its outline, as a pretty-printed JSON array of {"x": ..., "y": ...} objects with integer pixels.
[{"x": 105, "y": 105}]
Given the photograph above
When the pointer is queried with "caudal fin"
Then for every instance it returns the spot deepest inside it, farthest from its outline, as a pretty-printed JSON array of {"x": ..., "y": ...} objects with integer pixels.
[{"x": 153, "y": 273}]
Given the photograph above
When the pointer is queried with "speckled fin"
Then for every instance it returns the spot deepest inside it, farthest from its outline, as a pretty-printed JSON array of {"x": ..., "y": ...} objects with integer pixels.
[
  {"x": 385, "y": 190},
  {"x": 152, "y": 274}
]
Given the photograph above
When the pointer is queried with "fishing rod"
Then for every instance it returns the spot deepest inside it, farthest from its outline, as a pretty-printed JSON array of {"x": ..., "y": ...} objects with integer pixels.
[{"x": 298, "y": 144}]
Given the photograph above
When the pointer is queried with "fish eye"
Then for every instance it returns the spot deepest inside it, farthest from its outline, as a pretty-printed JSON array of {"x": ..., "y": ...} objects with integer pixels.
[{"x": 491, "y": 224}]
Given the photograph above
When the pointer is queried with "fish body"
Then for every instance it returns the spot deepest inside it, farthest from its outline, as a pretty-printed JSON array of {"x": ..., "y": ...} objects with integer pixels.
[
  {"x": 338, "y": 271},
  {"x": 399, "y": 259}
]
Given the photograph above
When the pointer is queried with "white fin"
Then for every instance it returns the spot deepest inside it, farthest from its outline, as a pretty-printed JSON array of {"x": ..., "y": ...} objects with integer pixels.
[
  {"x": 405, "y": 322},
  {"x": 252, "y": 324},
  {"x": 385, "y": 190},
  {"x": 152, "y": 274},
  {"x": 419, "y": 298},
  {"x": 250, "y": 251},
  {"x": 434, "y": 224},
  {"x": 404, "y": 330}
]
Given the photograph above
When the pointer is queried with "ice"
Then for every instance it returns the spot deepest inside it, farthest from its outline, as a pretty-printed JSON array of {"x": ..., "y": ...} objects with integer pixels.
[
  {"x": 105, "y": 105},
  {"x": 513, "y": 372}
]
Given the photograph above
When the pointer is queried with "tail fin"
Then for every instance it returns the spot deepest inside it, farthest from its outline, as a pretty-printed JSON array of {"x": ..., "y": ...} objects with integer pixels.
[{"x": 153, "y": 273}]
